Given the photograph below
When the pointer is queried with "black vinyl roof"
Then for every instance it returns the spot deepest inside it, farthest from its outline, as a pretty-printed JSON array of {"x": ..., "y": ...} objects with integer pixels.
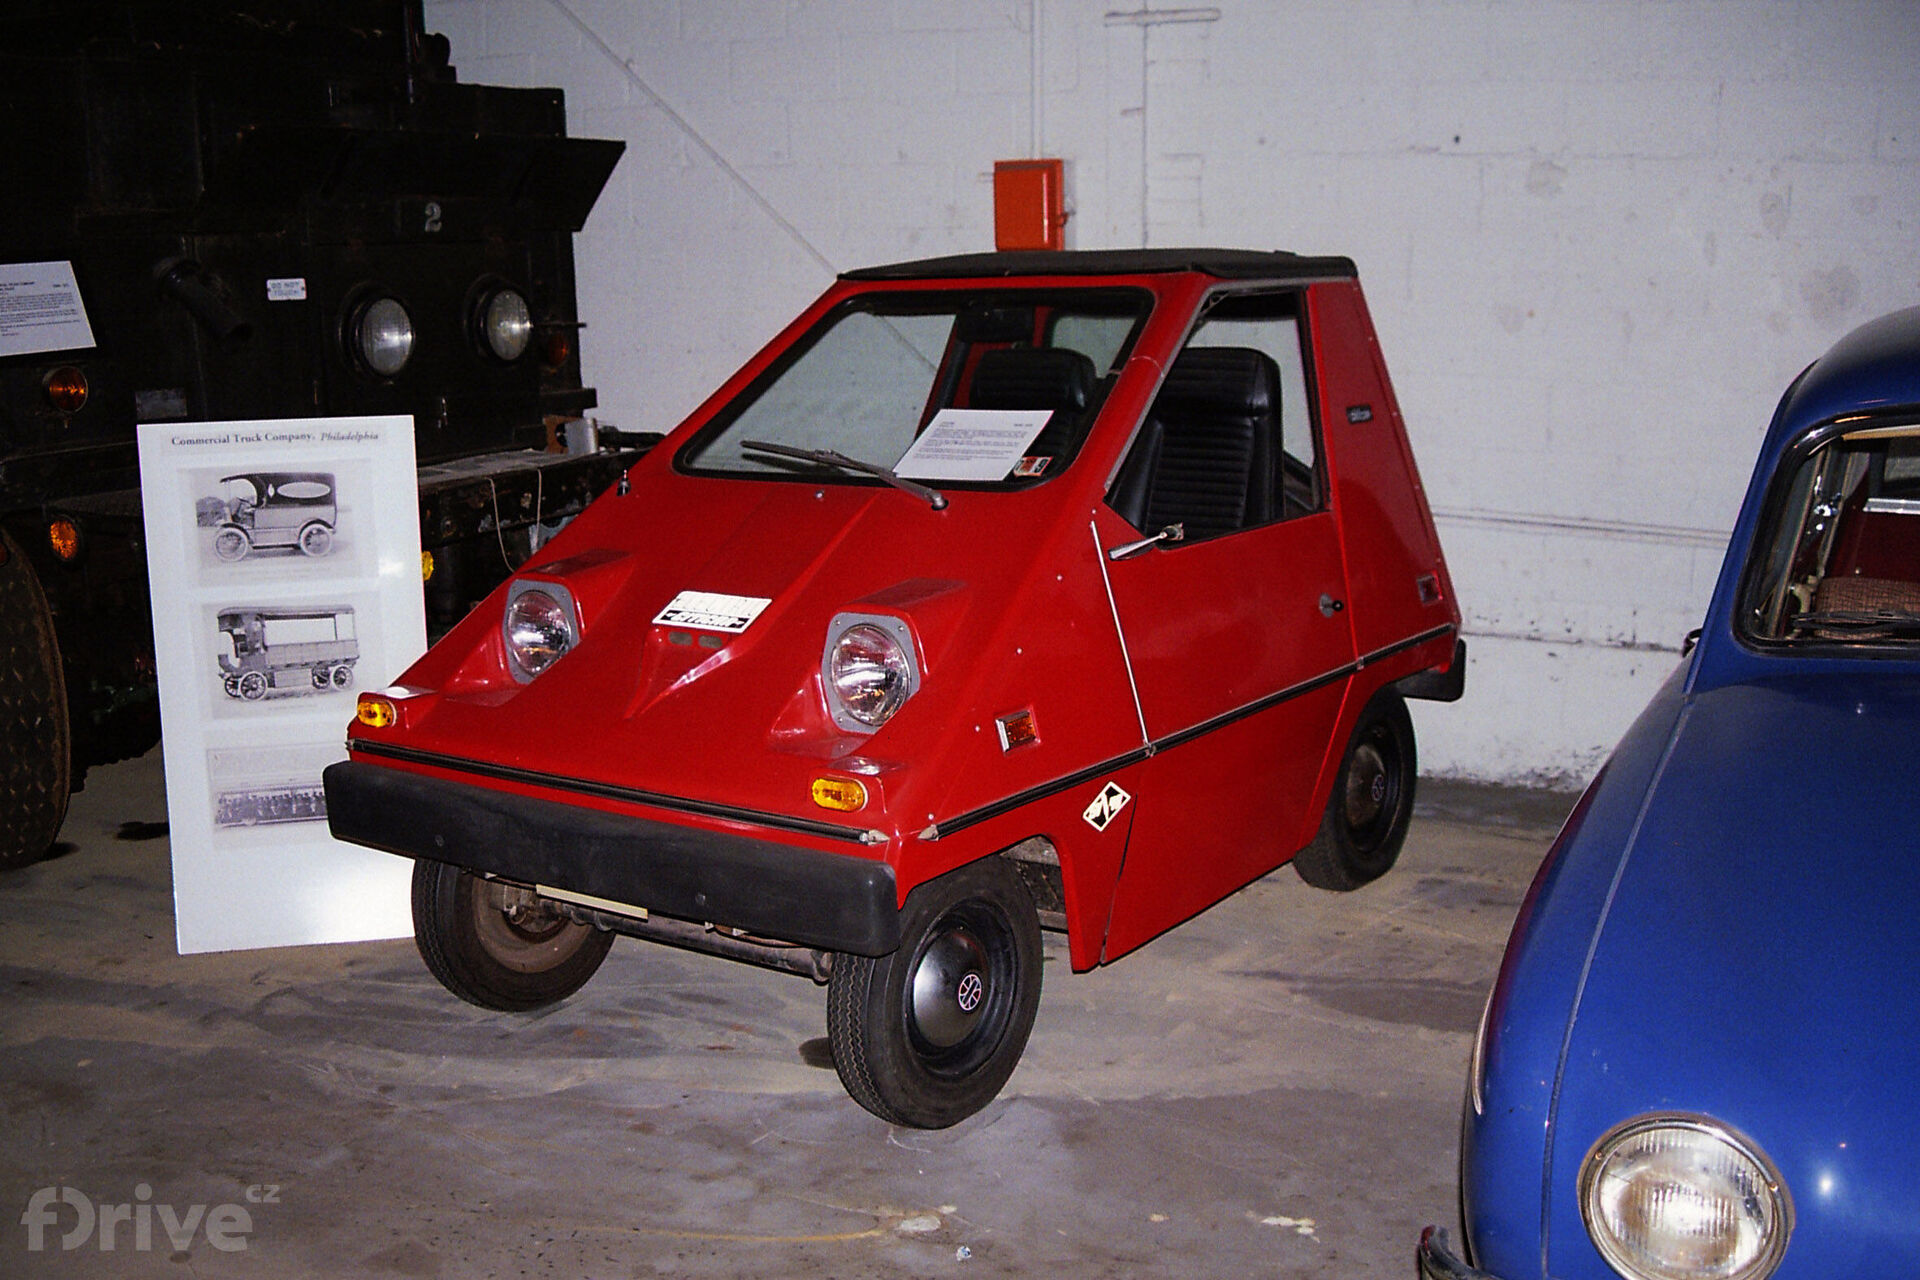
[{"x": 1230, "y": 264}]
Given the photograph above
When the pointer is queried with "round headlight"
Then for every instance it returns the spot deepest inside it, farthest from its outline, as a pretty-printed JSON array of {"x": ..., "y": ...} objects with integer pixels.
[
  {"x": 1682, "y": 1198},
  {"x": 383, "y": 336},
  {"x": 538, "y": 630},
  {"x": 506, "y": 325},
  {"x": 868, "y": 674}
]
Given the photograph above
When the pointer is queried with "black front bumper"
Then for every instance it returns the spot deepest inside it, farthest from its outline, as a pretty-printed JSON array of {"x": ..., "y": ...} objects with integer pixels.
[{"x": 825, "y": 900}]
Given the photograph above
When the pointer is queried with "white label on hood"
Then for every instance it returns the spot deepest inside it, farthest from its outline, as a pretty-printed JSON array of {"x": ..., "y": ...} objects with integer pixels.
[{"x": 710, "y": 611}]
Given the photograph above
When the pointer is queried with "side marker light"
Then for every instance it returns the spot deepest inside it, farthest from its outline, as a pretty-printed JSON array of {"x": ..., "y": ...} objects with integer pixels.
[
  {"x": 63, "y": 535},
  {"x": 845, "y": 794}
]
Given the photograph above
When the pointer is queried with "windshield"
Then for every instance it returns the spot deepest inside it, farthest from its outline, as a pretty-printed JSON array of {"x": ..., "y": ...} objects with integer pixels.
[
  {"x": 1840, "y": 560},
  {"x": 991, "y": 388}
]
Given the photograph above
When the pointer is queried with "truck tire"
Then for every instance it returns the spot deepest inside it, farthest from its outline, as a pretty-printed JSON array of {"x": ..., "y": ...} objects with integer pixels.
[
  {"x": 1372, "y": 802},
  {"x": 928, "y": 1035},
  {"x": 35, "y": 748},
  {"x": 487, "y": 957}
]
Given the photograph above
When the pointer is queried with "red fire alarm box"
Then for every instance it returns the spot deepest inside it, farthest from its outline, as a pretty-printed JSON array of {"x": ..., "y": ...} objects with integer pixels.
[{"x": 1029, "y": 204}]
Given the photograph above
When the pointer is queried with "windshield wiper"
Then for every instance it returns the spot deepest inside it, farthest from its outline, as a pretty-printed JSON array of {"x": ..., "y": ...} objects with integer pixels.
[
  {"x": 834, "y": 458},
  {"x": 1855, "y": 620}
]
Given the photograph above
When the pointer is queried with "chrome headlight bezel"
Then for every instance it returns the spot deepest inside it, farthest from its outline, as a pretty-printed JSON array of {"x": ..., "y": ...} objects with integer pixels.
[
  {"x": 503, "y": 322},
  {"x": 1746, "y": 1176},
  {"x": 528, "y": 661},
  {"x": 892, "y": 678},
  {"x": 381, "y": 335}
]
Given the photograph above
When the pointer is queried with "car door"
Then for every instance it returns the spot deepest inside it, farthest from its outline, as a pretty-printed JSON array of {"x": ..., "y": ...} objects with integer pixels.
[{"x": 1236, "y": 635}]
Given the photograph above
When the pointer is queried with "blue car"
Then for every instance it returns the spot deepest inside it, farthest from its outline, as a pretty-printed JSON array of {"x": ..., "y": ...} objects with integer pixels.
[{"x": 1701, "y": 1058}]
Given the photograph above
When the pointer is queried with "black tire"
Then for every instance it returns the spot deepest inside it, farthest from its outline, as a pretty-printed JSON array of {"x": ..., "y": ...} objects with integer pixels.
[
  {"x": 316, "y": 539},
  {"x": 1372, "y": 802},
  {"x": 486, "y": 957},
  {"x": 36, "y": 749},
  {"x": 905, "y": 1042},
  {"x": 231, "y": 543}
]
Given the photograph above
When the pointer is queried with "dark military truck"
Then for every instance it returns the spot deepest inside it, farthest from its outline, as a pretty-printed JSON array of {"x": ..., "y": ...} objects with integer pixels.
[{"x": 269, "y": 209}]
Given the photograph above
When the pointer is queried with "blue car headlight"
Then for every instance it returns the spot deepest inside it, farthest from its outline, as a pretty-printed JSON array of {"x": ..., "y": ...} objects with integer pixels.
[{"x": 1674, "y": 1197}]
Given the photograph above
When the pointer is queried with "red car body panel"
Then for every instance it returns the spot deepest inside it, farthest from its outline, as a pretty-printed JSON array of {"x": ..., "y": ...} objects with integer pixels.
[{"x": 1220, "y": 703}]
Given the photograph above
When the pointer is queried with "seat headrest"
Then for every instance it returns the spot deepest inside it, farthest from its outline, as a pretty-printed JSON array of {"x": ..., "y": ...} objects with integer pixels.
[
  {"x": 1032, "y": 378},
  {"x": 1226, "y": 380}
]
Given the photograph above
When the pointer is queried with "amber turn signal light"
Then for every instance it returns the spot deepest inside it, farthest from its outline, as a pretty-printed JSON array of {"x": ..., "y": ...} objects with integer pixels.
[
  {"x": 845, "y": 794},
  {"x": 375, "y": 711},
  {"x": 66, "y": 388},
  {"x": 63, "y": 535},
  {"x": 426, "y": 566}
]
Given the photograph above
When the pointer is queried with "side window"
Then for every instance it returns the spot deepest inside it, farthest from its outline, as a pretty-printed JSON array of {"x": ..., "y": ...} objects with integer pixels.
[{"x": 1230, "y": 442}]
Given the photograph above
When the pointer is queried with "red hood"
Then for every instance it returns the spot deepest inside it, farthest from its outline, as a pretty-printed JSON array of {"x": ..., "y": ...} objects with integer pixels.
[{"x": 745, "y": 724}]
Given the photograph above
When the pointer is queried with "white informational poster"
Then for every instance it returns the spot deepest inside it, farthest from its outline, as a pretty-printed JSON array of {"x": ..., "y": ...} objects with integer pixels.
[
  {"x": 284, "y": 558},
  {"x": 972, "y": 444},
  {"x": 40, "y": 309}
]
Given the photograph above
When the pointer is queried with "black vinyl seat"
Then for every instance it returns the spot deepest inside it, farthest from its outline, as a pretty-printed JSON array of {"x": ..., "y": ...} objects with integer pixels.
[
  {"x": 1205, "y": 457},
  {"x": 1053, "y": 378}
]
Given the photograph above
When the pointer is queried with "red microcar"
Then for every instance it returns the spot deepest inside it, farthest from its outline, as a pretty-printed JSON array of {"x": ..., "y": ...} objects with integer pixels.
[{"x": 998, "y": 593}]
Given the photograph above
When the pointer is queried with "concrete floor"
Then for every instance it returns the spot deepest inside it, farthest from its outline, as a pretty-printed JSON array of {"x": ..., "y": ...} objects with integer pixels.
[{"x": 1273, "y": 1089}]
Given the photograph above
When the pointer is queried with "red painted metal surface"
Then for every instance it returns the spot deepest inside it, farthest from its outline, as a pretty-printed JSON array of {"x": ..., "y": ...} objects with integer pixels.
[{"x": 1006, "y": 597}]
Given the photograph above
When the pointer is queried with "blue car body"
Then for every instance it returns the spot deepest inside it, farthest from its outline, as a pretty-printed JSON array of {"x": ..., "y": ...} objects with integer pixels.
[{"x": 1725, "y": 927}]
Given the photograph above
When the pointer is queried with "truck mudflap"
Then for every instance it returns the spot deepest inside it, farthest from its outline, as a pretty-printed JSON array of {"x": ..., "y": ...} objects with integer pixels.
[{"x": 831, "y": 901}]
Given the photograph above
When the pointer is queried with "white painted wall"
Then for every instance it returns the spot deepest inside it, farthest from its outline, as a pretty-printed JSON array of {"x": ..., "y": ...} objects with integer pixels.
[{"x": 1598, "y": 236}]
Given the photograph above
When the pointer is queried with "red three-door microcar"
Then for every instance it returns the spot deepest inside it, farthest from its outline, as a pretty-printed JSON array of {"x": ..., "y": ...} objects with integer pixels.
[{"x": 999, "y": 593}]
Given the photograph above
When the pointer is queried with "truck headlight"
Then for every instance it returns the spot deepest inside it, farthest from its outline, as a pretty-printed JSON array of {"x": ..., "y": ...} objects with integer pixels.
[
  {"x": 869, "y": 670},
  {"x": 539, "y": 626},
  {"x": 1671, "y": 1197},
  {"x": 381, "y": 335},
  {"x": 506, "y": 325}
]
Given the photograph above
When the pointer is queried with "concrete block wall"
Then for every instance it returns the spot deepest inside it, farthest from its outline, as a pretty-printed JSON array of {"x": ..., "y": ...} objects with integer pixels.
[{"x": 1598, "y": 237}]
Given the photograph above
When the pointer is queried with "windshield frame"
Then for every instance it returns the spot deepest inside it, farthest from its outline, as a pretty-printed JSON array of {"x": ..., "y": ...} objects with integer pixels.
[
  {"x": 931, "y": 298},
  {"x": 1764, "y": 570}
]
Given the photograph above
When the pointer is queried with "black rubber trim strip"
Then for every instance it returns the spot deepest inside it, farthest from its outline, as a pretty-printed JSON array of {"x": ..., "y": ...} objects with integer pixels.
[
  {"x": 608, "y": 791},
  {"x": 817, "y": 898},
  {"x": 1221, "y": 721}
]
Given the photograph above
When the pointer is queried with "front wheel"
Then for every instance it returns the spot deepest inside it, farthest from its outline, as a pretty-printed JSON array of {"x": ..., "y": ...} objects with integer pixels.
[
  {"x": 35, "y": 760},
  {"x": 497, "y": 946},
  {"x": 230, "y": 543},
  {"x": 928, "y": 1035},
  {"x": 1372, "y": 801}
]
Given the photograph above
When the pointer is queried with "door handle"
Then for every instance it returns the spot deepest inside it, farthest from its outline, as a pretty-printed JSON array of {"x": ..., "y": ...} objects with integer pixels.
[{"x": 1329, "y": 606}]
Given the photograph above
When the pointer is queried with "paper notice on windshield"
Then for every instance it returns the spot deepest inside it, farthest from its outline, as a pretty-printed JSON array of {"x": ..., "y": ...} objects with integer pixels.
[
  {"x": 972, "y": 444},
  {"x": 40, "y": 309}
]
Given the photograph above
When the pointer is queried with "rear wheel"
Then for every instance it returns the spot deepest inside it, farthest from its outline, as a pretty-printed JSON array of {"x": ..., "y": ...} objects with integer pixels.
[
  {"x": 252, "y": 686},
  {"x": 1372, "y": 802},
  {"x": 316, "y": 539},
  {"x": 35, "y": 748},
  {"x": 928, "y": 1035},
  {"x": 497, "y": 946}
]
